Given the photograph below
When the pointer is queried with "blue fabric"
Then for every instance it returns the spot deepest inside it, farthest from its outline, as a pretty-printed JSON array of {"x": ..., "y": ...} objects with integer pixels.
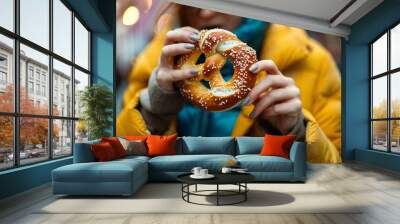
[
  {"x": 193, "y": 121},
  {"x": 298, "y": 155},
  {"x": 118, "y": 177},
  {"x": 185, "y": 163},
  {"x": 249, "y": 145},
  {"x": 257, "y": 163},
  {"x": 208, "y": 145},
  {"x": 83, "y": 152}
]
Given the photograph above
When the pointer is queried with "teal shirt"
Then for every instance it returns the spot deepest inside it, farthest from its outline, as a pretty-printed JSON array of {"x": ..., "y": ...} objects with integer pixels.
[{"x": 193, "y": 121}]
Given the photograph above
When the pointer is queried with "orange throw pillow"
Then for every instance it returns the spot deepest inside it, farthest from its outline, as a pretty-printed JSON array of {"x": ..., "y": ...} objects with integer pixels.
[
  {"x": 116, "y": 145},
  {"x": 135, "y": 137},
  {"x": 161, "y": 145},
  {"x": 103, "y": 151},
  {"x": 277, "y": 145}
]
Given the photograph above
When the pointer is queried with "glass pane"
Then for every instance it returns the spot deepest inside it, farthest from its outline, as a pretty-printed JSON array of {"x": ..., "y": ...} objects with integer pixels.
[
  {"x": 395, "y": 136},
  {"x": 379, "y": 135},
  {"x": 81, "y": 131},
  {"x": 35, "y": 21},
  {"x": 62, "y": 29},
  {"x": 395, "y": 94},
  {"x": 81, "y": 45},
  {"x": 62, "y": 138},
  {"x": 81, "y": 81},
  {"x": 379, "y": 55},
  {"x": 395, "y": 47},
  {"x": 7, "y": 14},
  {"x": 6, "y": 74},
  {"x": 33, "y": 139},
  {"x": 34, "y": 92},
  {"x": 62, "y": 89},
  {"x": 379, "y": 97},
  {"x": 6, "y": 142}
]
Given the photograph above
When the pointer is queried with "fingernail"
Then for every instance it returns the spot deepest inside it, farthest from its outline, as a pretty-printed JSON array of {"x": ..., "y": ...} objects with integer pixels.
[
  {"x": 252, "y": 114},
  {"x": 189, "y": 46},
  {"x": 194, "y": 37},
  {"x": 246, "y": 101},
  {"x": 253, "y": 68},
  {"x": 194, "y": 72}
]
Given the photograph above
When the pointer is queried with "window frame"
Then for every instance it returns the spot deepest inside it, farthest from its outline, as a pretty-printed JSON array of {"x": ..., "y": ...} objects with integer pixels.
[
  {"x": 388, "y": 74},
  {"x": 16, "y": 115}
]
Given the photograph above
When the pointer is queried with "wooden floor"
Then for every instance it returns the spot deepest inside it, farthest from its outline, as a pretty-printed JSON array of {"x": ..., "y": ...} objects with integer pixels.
[{"x": 377, "y": 188}]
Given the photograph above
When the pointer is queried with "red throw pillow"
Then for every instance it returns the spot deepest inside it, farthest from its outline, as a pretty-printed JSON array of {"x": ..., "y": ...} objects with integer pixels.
[
  {"x": 161, "y": 145},
  {"x": 116, "y": 145},
  {"x": 135, "y": 137},
  {"x": 103, "y": 151},
  {"x": 275, "y": 145}
]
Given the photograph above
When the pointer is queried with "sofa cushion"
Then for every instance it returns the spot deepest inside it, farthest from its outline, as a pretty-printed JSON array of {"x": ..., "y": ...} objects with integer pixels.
[
  {"x": 161, "y": 145},
  {"x": 112, "y": 171},
  {"x": 277, "y": 145},
  {"x": 185, "y": 163},
  {"x": 206, "y": 145},
  {"x": 103, "y": 152},
  {"x": 249, "y": 145},
  {"x": 116, "y": 145},
  {"x": 83, "y": 152},
  {"x": 257, "y": 163}
]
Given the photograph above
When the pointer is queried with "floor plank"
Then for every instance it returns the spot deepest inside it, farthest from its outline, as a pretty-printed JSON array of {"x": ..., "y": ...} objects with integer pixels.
[{"x": 377, "y": 190}]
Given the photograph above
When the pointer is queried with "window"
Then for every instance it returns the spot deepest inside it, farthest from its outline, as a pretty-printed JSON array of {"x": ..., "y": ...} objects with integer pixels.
[
  {"x": 7, "y": 14},
  {"x": 6, "y": 72},
  {"x": 3, "y": 78},
  {"x": 3, "y": 61},
  {"x": 30, "y": 72},
  {"x": 385, "y": 94},
  {"x": 44, "y": 91},
  {"x": 30, "y": 87},
  {"x": 48, "y": 78},
  {"x": 38, "y": 89}
]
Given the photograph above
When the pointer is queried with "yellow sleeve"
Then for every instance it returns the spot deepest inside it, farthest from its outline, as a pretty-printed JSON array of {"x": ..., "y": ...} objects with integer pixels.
[
  {"x": 324, "y": 119},
  {"x": 129, "y": 120}
]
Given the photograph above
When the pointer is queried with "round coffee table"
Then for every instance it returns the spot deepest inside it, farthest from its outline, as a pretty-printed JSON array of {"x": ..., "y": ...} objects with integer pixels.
[{"x": 238, "y": 179}]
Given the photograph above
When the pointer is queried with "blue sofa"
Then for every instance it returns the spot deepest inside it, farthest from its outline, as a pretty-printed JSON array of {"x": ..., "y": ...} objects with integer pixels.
[{"x": 125, "y": 176}]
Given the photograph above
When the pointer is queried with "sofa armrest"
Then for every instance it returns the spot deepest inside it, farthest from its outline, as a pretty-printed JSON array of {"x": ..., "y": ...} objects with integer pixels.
[
  {"x": 83, "y": 152},
  {"x": 298, "y": 155}
]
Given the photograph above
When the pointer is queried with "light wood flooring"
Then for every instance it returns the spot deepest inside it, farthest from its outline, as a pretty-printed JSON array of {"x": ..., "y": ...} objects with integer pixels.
[{"x": 377, "y": 188}]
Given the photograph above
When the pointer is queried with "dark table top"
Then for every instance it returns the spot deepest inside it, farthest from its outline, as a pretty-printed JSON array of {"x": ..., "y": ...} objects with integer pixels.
[{"x": 220, "y": 178}]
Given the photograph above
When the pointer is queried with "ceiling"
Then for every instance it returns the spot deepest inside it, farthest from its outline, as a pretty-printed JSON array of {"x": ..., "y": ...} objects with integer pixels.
[{"x": 325, "y": 16}]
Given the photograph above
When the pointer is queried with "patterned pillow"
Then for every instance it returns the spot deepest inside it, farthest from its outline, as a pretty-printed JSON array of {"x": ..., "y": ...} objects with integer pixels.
[{"x": 134, "y": 147}]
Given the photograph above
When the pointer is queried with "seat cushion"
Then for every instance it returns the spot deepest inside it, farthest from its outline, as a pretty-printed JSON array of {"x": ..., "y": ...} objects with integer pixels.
[
  {"x": 206, "y": 145},
  {"x": 111, "y": 171},
  {"x": 249, "y": 145},
  {"x": 257, "y": 163},
  {"x": 185, "y": 163}
]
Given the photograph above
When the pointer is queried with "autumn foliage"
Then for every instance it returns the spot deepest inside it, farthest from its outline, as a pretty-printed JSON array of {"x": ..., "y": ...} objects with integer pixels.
[
  {"x": 380, "y": 127},
  {"x": 33, "y": 131}
]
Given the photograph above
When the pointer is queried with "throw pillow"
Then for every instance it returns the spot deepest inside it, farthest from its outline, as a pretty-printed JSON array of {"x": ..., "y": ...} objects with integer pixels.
[
  {"x": 116, "y": 145},
  {"x": 275, "y": 145},
  {"x": 135, "y": 137},
  {"x": 134, "y": 147},
  {"x": 103, "y": 151},
  {"x": 161, "y": 145}
]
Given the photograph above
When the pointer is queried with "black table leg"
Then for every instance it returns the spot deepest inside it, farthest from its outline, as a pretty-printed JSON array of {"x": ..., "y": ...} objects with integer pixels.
[
  {"x": 217, "y": 194},
  {"x": 196, "y": 187},
  {"x": 245, "y": 193}
]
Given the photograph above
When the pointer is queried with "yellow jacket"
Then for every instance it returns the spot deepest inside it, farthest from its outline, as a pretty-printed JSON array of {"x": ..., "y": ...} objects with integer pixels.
[{"x": 297, "y": 56}]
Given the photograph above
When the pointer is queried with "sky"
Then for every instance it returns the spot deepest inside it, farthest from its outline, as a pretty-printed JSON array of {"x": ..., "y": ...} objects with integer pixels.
[
  {"x": 34, "y": 26},
  {"x": 379, "y": 59}
]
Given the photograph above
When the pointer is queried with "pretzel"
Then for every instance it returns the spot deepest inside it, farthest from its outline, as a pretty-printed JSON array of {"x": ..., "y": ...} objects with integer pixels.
[{"x": 218, "y": 45}]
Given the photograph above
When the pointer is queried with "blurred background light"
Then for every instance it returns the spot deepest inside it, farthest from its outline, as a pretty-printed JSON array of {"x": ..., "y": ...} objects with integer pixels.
[{"x": 131, "y": 16}]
